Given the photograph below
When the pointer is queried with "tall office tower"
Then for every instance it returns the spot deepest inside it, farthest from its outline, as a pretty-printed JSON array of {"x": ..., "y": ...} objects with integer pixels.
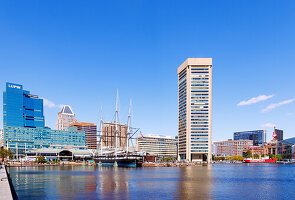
[
  {"x": 1, "y": 137},
  {"x": 65, "y": 117},
  {"x": 109, "y": 134},
  {"x": 280, "y": 134},
  {"x": 90, "y": 133},
  {"x": 195, "y": 109},
  {"x": 24, "y": 121},
  {"x": 21, "y": 109}
]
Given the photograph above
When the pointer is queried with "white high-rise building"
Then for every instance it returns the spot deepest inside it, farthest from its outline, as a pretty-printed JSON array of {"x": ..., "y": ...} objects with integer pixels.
[
  {"x": 195, "y": 109},
  {"x": 65, "y": 117},
  {"x": 1, "y": 137}
]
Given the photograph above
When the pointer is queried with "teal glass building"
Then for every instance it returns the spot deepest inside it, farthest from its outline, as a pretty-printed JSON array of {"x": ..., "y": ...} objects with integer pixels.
[
  {"x": 21, "y": 139},
  {"x": 24, "y": 124}
]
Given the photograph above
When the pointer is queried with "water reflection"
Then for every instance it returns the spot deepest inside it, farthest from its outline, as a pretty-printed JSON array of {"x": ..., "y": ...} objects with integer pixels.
[
  {"x": 113, "y": 183},
  {"x": 195, "y": 182},
  {"x": 218, "y": 181}
]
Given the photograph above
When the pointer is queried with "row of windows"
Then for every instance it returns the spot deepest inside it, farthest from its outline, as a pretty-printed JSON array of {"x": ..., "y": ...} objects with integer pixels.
[
  {"x": 199, "y": 147},
  {"x": 201, "y": 75},
  {"x": 193, "y": 69}
]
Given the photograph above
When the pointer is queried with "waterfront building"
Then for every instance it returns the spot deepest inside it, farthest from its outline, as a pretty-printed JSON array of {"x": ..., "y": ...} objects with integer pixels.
[
  {"x": 109, "y": 134},
  {"x": 259, "y": 150},
  {"x": 90, "y": 130},
  {"x": 232, "y": 147},
  {"x": 20, "y": 108},
  {"x": 195, "y": 109},
  {"x": 280, "y": 134},
  {"x": 56, "y": 152},
  {"x": 162, "y": 146},
  {"x": 258, "y": 136},
  {"x": 278, "y": 148},
  {"x": 291, "y": 150},
  {"x": 24, "y": 124},
  {"x": 22, "y": 139},
  {"x": 65, "y": 117}
]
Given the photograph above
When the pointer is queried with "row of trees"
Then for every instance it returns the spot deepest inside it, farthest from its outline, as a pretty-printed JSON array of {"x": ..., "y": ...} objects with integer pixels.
[
  {"x": 4, "y": 153},
  {"x": 248, "y": 154}
]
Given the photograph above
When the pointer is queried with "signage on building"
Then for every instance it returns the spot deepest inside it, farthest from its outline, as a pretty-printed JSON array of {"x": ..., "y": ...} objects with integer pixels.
[{"x": 14, "y": 86}]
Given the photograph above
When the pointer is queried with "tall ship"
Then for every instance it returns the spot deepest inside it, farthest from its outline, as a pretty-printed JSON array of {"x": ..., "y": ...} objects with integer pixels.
[{"x": 114, "y": 143}]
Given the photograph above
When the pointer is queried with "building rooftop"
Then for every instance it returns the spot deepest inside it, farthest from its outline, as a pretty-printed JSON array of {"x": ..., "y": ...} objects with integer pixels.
[
  {"x": 82, "y": 124},
  {"x": 194, "y": 61},
  {"x": 67, "y": 110},
  {"x": 158, "y": 136},
  {"x": 289, "y": 141}
]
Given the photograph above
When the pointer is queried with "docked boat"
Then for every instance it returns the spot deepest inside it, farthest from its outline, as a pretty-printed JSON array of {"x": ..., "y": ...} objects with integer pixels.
[
  {"x": 121, "y": 160},
  {"x": 262, "y": 160}
]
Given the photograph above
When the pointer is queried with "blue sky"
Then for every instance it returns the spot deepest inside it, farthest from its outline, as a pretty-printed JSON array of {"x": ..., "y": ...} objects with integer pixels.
[{"x": 79, "y": 52}]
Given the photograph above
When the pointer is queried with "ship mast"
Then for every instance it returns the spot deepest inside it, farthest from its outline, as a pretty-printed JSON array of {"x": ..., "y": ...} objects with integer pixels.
[
  {"x": 101, "y": 131},
  {"x": 116, "y": 123},
  {"x": 128, "y": 125}
]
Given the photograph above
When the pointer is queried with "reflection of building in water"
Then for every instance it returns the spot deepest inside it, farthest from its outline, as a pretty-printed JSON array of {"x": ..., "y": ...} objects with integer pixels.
[
  {"x": 74, "y": 178},
  {"x": 113, "y": 183},
  {"x": 195, "y": 182},
  {"x": 109, "y": 133}
]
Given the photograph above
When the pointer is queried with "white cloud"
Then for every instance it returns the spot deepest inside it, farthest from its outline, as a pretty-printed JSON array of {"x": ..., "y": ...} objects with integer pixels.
[
  {"x": 290, "y": 114},
  {"x": 255, "y": 100},
  {"x": 274, "y": 105},
  {"x": 50, "y": 104},
  {"x": 267, "y": 125}
]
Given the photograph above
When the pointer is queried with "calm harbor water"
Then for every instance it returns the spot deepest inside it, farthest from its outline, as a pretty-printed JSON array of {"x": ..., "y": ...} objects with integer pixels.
[{"x": 219, "y": 181}]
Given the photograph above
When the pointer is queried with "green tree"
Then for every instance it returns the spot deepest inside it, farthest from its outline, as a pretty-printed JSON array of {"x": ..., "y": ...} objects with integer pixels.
[
  {"x": 213, "y": 157},
  {"x": 5, "y": 152},
  {"x": 248, "y": 154},
  {"x": 166, "y": 159},
  {"x": 262, "y": 155},
  {"x": 256, "y": 156},
  {"x": 271, "y": 156},
  {"x": 41, "y": 159},
  {"x": 238, "y": 158},
  {"x": 278, "y": 157}
]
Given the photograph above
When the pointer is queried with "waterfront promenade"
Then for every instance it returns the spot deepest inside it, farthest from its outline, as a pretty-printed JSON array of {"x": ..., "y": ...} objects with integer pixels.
[{"x": 5, "y": 192}]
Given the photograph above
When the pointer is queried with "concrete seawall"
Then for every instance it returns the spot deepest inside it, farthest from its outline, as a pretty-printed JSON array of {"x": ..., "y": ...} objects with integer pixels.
[{"x": 5, "y": 190}]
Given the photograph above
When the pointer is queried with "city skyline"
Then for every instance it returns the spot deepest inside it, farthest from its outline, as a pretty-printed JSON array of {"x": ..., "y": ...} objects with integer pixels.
[{"x": 65, "y": 62}]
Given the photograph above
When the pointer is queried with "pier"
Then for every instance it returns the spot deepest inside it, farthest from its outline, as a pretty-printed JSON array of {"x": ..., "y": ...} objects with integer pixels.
[{"x": 5, "y": 189}]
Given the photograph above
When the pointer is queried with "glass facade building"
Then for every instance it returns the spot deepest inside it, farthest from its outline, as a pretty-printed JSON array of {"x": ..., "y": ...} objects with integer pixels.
[
  {"x": 195, "y": 109},
  {"x": 258, "y": 136},
  {"x": 24, "y": 124},
  {"x": 21, "y": 139},
  {"x": 21, "y": 109}
]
